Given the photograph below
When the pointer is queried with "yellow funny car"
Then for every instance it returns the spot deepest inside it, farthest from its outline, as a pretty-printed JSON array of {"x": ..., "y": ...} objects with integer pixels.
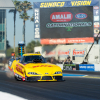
[{"x": 33, "y": 67}]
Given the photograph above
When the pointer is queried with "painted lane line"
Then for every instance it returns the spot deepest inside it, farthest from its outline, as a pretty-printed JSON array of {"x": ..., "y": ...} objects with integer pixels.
[{"x": 74, "y": 75}]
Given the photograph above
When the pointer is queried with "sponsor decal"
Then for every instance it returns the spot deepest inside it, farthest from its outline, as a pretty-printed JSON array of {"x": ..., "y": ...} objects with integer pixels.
[
  {"x": 52, "y": 4},
  {"x": 19, "y": 69},
  {"x": 96, "y": 18},
  {"x": 96, "y": 31},
  {"x": 69, "y": 67},
  {"x": 81, "y": 3},
  {"x": 96, "y": 24},
  {"x": 50, "y": 53},
  {"x": 67, "y": 40},
  {"x": 72, "y": 24},
  {"x": 81, "y": 16},
  {"x": 96, "y": 7},
  {"x": 96, "y": 12},
  {"x": 60, "y": 52},
  {"x": 79, "y": 53},
  {"x": 61, "y": 16},
  {"x": 86, "y": 67},
  {"x": 42, "y": 66},
  {"x": 36, "y": 23},
  {"x": 57, "y": 41}
]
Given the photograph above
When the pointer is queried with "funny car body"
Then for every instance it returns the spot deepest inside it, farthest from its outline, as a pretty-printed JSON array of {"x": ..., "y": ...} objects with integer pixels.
[{"x": 33, "y": 67}]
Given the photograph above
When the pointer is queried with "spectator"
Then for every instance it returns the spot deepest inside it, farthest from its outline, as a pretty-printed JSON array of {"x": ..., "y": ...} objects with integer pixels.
[
  {"x": 68, "y": 60},
  {"x": 53, "y": 60}
]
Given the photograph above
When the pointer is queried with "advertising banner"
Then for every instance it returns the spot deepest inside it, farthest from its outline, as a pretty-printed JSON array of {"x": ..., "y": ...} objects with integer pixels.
[
  {"x": 86, "y": 67},
  {"x": 79, "y": 53},
  {"x": 69, "y": 67},
  {"x": 66, "y": 21}
]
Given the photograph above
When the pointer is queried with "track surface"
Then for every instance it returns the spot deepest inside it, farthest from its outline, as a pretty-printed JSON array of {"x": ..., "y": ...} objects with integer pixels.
[{"x": 73, "y": 88}]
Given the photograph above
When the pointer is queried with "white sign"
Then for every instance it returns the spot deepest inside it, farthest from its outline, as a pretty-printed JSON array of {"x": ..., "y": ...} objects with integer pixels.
[
  {"x": 36, "y": 23},
  {"x": 96, "y": 18}
]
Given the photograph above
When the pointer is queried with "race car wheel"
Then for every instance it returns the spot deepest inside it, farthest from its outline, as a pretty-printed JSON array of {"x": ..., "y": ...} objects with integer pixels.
[{"x": 17, "y": 79}]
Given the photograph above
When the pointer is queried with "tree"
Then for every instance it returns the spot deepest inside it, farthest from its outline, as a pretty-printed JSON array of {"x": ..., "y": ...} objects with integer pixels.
[
  {"x": 25, "y": 6},
  {"x": 31, "y": 45},
  {"x": 17, "y": 8},
  {"x": 32, "y": 19},
  {"x": 7, "y": 44}
]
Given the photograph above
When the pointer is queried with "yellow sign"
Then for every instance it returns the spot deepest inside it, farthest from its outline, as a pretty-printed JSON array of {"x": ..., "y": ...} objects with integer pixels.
[
  {"x": 52, "y": 4},
  {"x": 81, "y": 3}
]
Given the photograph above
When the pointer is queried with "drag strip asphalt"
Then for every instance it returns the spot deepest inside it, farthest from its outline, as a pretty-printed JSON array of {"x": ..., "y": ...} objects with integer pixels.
[{"x": 73, "y": 88}]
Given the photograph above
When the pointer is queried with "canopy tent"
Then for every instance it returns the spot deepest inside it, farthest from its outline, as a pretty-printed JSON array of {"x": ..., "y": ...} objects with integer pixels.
[{"x": 6, "y": 4}]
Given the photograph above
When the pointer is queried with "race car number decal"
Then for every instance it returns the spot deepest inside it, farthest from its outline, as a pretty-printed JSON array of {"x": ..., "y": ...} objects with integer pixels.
[
  {"x": 42, "y": 66},
  {"x": 19, "y": 69}
]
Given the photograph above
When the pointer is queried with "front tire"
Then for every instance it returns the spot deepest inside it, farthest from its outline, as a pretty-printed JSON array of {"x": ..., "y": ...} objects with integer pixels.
[{"x": 17, "y": 79}]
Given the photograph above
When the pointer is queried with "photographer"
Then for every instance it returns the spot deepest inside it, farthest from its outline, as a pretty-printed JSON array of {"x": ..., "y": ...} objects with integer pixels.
[{"x": 68, "y": 60}]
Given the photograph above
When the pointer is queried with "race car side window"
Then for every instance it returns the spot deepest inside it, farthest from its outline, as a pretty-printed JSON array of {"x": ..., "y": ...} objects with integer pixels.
[{"x": 22, "y": 59}]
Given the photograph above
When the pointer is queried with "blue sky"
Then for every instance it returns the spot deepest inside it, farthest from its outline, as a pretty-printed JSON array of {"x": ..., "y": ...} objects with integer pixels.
[{"x": 19, "y": 26}]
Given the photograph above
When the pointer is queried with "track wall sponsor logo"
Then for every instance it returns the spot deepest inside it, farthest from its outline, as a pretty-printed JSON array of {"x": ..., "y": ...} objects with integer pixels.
[
  {"x": 81, "y": 16},
  {"x": 86, "y": 67},
  {"x": 67, "y": 52},
  {"x": 69, "y": 67},
  {"x": 79, "y": 53},
  {"x": 81, "y": 3},
  {"x": 52, "y": 4},
  {"x": 61, "y": 16}
]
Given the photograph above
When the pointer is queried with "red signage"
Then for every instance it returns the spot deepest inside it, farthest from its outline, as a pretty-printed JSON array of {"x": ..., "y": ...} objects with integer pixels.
[
  {"x": 63, "y": 52},
  {"x": 67, "y": 40},
  {"x": 61, "y": 16},
  {"x": 78, "y": 52},
  {"x": 50, "y": 53}
]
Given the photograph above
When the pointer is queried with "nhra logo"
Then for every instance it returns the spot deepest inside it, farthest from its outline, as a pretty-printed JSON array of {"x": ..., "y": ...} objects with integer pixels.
[
  {"x": 64, "y": 52},
  {"x": 81, "y": 16},
  {"x": 61, "y": 16},
  {"x": 79, "y": 53}
]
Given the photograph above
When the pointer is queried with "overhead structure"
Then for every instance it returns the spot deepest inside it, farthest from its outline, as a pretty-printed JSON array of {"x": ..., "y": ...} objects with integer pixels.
[{"x": 6, "y": 4}]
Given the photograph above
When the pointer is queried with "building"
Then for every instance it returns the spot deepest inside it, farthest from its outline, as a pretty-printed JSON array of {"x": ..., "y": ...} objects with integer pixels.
[{"x": 4, "y": 4}]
